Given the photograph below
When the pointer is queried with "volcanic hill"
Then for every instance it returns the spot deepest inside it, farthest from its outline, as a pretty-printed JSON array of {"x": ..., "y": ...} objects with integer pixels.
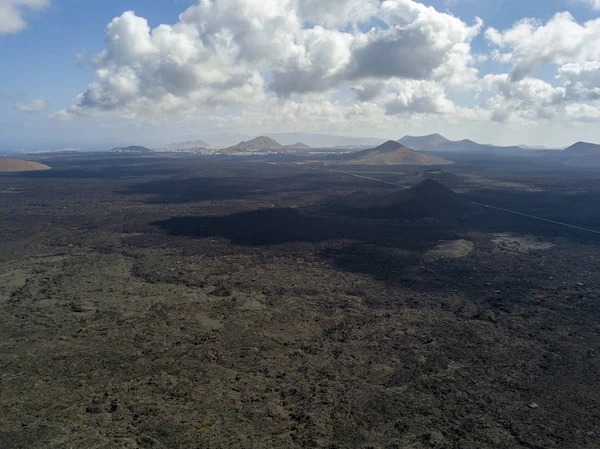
[
  {"x": 428, "y": 198},
  {"x": 298, "y": 146},
  {"x": 580, "y": 154},
  {"x": 582, "y": 149},
  {"x": 259, "y": 145},
  {"x": 391, "y": 153}
]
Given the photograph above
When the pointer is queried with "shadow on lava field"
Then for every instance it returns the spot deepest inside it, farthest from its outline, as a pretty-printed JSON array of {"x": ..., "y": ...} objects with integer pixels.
[{"x": 277, "y": 226}]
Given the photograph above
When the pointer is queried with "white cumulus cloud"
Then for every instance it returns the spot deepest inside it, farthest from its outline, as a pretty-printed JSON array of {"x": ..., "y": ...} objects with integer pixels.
[
  {"x": 243, "y": 51},
  {"x": 37, "y": 105},
  {"x": 530, "y": 45},
  {"x": 333, "y": 13},
  {"x": 582, "y": 80},
  {"x": 533, "y": 100},
  {"x": 340, "y": 64},
  {"x": 594, "y": 4},
  {"x": 12, "y": 13},
  {"x": 562, "y": 44},
  {"x": 418, "y": 97}
]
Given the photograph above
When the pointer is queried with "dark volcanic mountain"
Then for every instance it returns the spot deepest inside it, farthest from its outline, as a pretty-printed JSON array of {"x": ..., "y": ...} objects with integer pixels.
[
  {"x": 131, "y": 149},
  {"x": 258, "y": 145},
  {"x": 390, "y": 153},
  {"x": 580, "y": 154},
  {"x": 582, "y": 149},
  {"x": 15, "y": 165},
  {"x": 429, "y": 198}
]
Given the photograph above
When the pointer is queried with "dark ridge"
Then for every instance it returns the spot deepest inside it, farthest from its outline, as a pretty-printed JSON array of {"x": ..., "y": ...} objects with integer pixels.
[{"x": 428, "y": 198}]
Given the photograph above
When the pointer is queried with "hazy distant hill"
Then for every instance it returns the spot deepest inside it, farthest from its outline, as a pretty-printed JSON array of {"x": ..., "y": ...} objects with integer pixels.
[
  {"x": 582, "y": 149},
  {"x": 429, "y": 198},
  {"x": 298, "y": 146},
  {"x": 189, "y": 145},
  {"x": 223, "y": 139},
  {"x": 581, "y": 154},
  {"x": 418, "y": 142},
  {"x": 131, "y": 149},
  {"x": 311, "y": 139},
  {"x": 391, "y": 153},
  {"x": 16, "y": 165},
  {"x": 258, "y": 145},
  {"x": 438, "y": 143}
]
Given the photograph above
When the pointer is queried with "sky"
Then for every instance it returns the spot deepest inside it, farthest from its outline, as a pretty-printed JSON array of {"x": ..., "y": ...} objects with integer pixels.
[{"x": 92, "y": 75}]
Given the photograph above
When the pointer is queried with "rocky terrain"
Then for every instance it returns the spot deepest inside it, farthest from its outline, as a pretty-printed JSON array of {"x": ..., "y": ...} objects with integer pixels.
[{"x": 185, "y": 302}]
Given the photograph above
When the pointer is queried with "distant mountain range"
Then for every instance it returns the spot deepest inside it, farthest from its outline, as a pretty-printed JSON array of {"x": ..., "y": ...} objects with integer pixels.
[
  {"x": 223, "y": 139},
  {"x": 406, "y": 151},
  {"x": 327, "y": 140},
  {"x": 429, "y": 143},
  {"x": 311, "y": 140},
  {"x": 438, "y": 143},
  {"x": 250, "y": 145},
  {"x": 390, "y": 153},
  {"x": 581, "y": 154}
]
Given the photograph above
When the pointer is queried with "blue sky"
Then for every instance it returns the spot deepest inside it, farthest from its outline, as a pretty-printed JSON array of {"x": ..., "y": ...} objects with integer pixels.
[
  {"x": 51, "y": 61},
  {"x": 44, "y": 58}
]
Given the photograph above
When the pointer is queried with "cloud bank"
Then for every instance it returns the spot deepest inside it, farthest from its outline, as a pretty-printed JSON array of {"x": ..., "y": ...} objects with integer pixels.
[
  {"x": 345, "y": 61},
  {"x": 239, "y": 51}
]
